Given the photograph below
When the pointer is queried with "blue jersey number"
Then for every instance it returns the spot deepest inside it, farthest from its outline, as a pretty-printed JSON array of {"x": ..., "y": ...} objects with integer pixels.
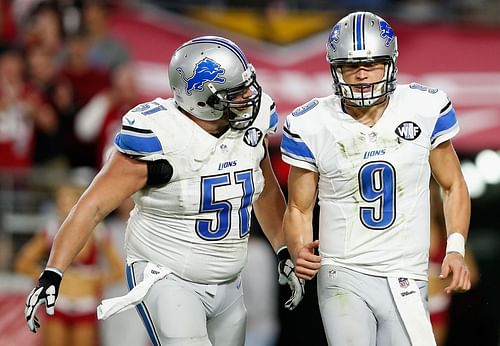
[
  {"x": 148, "y": 108},
  {"x": 210, "y": 230},
  {"x": 377, "y": 186}
]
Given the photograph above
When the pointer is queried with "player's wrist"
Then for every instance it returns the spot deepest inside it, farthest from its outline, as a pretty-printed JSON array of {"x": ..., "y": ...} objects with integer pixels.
[
  {"x": 456, "y": 243},
  {"x": 54, "y": 270},
  {"x": 282, "y": 253},
  {"x": 50, "y": 276}
]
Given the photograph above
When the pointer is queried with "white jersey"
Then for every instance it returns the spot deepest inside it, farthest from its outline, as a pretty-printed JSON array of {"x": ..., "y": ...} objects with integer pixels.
[
  {"x": 198, "y": 224},
  {"x": 373, "y": 181}
]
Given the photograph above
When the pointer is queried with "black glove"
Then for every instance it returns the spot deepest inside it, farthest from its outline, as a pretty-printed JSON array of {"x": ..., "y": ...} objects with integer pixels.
[
  {"x": 45, "y": 293},
  {"x": 287, "y": 276}
]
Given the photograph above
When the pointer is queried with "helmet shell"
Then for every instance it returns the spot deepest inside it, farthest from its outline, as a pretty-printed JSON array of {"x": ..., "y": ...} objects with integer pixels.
[
  {"x": 362, "y": 37},
  {"x": 206, "y": 66}
]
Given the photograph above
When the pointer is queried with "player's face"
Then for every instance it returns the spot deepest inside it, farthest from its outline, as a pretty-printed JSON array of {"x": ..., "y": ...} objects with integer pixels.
[
  {"x": 242, "y": 107},
  {"x": 245, "y": 94},
  {"x": 362, "y": 75}
]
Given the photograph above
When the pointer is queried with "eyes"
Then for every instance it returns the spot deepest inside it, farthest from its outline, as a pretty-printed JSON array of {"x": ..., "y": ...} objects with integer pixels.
[
  {"x": 350, "y": 68},
  {"x": 241, "y": 95}
]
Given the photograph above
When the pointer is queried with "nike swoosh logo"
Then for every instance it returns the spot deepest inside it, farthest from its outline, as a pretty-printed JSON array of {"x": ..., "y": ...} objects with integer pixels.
[{"x": 130, "y": 121}]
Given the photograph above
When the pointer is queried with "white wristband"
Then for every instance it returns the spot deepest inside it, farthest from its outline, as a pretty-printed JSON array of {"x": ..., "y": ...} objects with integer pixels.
[{"x": 456, "y": 243}]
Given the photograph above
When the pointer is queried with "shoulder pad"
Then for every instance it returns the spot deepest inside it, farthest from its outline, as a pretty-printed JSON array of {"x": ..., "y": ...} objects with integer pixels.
[
  {"x": 267, "y": 119},
  {"x": 136, "y": 136}
]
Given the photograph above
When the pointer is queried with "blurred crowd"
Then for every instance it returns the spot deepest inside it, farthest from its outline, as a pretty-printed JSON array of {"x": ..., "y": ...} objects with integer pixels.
[{"x": 64, "y": 84}]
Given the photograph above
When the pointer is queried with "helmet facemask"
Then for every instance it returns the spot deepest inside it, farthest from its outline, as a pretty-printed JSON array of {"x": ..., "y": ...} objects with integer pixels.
[
  {"x": 371, "y": 93},
  {"x": 241, "y": 103}
]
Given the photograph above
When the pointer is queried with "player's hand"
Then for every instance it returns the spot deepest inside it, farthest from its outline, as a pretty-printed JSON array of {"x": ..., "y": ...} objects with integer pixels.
[
  {"x": 287, "y": 276},
  {"x": 307, "y": 263},
  {"x": 45, "y": 293},
  {"x": 454, "y": 264}
]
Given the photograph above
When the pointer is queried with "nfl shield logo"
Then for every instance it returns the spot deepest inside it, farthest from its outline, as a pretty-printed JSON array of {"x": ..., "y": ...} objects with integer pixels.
[{"x": 403, "y": 282}]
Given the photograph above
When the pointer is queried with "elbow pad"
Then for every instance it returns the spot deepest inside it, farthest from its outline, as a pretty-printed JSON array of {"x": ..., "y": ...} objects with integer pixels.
[{"x": 159, "y": 172}]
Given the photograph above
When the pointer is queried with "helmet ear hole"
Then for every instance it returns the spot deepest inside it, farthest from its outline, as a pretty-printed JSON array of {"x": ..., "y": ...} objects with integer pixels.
[
  {"x": 202, "y": 104},
  {"x": 214, "y": 102}
]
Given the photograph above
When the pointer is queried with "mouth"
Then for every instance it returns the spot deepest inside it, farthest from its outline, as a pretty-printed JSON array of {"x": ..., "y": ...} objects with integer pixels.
[{"x": 362, "y": 88}]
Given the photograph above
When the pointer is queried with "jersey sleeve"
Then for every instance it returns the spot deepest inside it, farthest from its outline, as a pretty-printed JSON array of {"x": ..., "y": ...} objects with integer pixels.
[
  {"x": 446, "y": 126},
  {"x": 268, "y": 118},
  {"x": 137, "y": 137},
  {"x": 294, "y": 150},
  {"x": 273, "y": 119}
]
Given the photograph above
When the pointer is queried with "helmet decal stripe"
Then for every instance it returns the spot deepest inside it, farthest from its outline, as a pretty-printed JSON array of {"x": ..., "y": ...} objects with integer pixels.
[
  {"x": 359, "y": 32},
  {"x": 363, "y": 31},
  {"x": 226, "y": 44},
  {"x": 356, "y": 32}
]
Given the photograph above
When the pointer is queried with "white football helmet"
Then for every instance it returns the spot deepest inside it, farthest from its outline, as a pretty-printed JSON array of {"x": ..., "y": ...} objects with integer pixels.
[
  {"x": 362, "y": 37},
  {"x": 208, "y": 75}
]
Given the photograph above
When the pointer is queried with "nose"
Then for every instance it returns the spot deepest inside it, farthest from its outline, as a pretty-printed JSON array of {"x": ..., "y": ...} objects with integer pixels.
[
  {"x": 247, "y": 93},
  {"x": 361, "y": 73}
]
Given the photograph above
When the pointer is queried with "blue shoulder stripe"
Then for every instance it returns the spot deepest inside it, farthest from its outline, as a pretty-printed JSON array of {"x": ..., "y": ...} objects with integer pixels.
[
  {"x": 444, "y": 123},
  {"x": 273, "y": 121},
  {"x": 137, "y": 145},
  {"x": 293, "y": 146}
]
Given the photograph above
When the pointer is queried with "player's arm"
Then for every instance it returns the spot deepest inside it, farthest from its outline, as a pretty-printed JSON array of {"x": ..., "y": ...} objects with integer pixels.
[
  {"x": 456, "y": 205},
  {"x": 270, "y": 207},
  {"x": 119, "y": 179},
  {"x": 297, "y": 223},
  {"x": 269, "y": 210}
]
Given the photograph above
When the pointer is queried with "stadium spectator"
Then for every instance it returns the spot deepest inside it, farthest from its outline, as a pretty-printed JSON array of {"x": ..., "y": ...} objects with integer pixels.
[
  {"x": 21, "y": 110},
  {"x": 105, "y": 51},
  {"x": 49, "y": 148},
  {"x": 43, "y": 27},
  {"x": 97, "y": 265},
  {"x": 86, "y": 81},
  {"x": 8, "y": 28},
  {"x": 100, "y": 119}
]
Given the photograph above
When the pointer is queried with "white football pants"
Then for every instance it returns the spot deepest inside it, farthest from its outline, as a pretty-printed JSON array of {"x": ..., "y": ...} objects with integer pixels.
[
  {"x": 179, "y": 312},
  {"x": 359, "y": 309}
]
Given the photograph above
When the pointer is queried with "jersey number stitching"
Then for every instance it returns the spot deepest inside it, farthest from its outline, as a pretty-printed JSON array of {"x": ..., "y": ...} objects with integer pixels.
[
  {"x": 377, "y": 184},
  {"x": 223, "y": 208}
]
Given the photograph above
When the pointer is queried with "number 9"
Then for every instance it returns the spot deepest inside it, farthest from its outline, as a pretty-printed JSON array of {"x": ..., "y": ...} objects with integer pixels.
[{"x": 377, "y": 184}]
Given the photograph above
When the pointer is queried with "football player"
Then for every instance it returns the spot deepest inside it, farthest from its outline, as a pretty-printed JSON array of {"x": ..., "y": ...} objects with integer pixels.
[
  {"x": 195, "y": 164},
  {"x": 369, "y": 150}
]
